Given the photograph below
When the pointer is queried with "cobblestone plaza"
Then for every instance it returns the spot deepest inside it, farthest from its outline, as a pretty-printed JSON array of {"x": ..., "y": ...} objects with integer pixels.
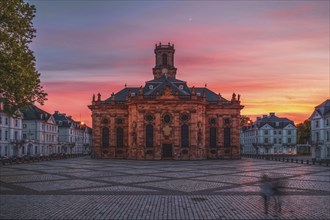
[{"x": 83, "y": 188}]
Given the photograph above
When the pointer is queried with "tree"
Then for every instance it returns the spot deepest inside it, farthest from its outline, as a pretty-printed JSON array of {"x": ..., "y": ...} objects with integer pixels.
[
  {"x": 19, "y": 79},
  {"x": 304, "y": 132},
  {"x": 245, "y": 120}
]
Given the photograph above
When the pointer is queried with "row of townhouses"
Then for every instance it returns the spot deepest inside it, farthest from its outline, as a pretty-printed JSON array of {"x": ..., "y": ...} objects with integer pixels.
[
  {"x": 37, "y": 132},
  {"x": 269, "y": 135},
  {"x": 274, "y": 135}
]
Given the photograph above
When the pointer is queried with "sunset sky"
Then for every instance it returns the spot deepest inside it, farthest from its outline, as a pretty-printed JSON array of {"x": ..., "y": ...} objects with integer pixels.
[{"x": 274, "y": 53}]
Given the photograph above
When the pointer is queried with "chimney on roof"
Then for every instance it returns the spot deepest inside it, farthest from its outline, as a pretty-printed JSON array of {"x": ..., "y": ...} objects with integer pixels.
[
  {"x": 272, "y": 114},
  {"x": 264, "y": 116},
  {"x": 56, "y": 112}
]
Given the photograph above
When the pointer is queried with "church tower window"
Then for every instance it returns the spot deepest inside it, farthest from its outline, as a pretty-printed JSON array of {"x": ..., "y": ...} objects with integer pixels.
[
  {"x": 105, "y": 137},
  {"x": 149, "y": 136},
  {"x": 164, "y": 56}
]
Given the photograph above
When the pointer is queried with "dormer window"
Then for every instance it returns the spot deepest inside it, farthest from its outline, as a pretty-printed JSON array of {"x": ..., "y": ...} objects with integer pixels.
[
  {"x": 198, "y": 94},
  {"x": 180, "y": 86},
  {"x": 132, "y": 94},
  {"x": 151, "y": 86}
]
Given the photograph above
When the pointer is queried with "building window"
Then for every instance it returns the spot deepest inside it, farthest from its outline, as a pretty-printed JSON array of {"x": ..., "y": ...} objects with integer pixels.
[
  {"x": 0, "y": 134},
  {"x": 149, "y": 135},
  {"x": 149, "y": 117},
  {"x": 328, "y": 136},
  {"x": 35, "y": 149},
  {"x": 317, "y": 136},
  {"x": 279, "y": 132},
  {"x": 184, "y": 117},
  {"x": 327, "y": 122},
  {"x": 0, "y": 120},
  {"x": 120, "y": 137},
  {"x": 213, "y": 137},
  {"x": 24, "y": 125},
  {"x": 317, "y": 124},
  {"x": 6, "y": 135},
  {"x": 105, "y": 121},
  {"x": 184, "y": 136},
  {"x": 289, "y": 140},
  {"x": 266, "y": 132},
  {"x": 164, "y": 56},
  {"x": 289, "y": 132},
  {"x": 275, "y": 141},
  {"x": 16, "y": 135},
  {"x": 266, "y": 140},
  {"x": 274, "y": 132},
  {"x": 6, "y": 121},
  {"x": 119, "y": 121},
  {"x": 16, "y": 122},
  {"x": 167, "y": 118},
  {"x": 105, "y": 137},
  {"x": 226, "y": 137}
]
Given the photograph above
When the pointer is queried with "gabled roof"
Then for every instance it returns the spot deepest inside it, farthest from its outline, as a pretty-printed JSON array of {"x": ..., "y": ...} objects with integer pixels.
[
  {"x": 32, "y": 112},
  {"x": 155, "y": 86},
  {"x": 61, "y": 117},
  {"x": 274, "y": 122},
  {"x": 324, "y": 108}
]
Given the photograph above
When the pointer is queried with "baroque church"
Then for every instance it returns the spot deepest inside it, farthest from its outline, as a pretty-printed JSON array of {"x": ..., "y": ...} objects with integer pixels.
[{"x": 166, "y": 119}]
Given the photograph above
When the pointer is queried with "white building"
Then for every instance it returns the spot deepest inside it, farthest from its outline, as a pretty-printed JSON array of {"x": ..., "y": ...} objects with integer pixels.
[
  {"x": 320, "y": 131},
  {"x": 10, "y": 133},
  {"x": 269, "y": 135},
  {"x": 74, "y": 136},
  {"x": 40, "y": 132}
]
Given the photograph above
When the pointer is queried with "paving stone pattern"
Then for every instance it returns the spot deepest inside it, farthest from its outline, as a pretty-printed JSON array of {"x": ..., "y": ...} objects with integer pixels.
[{"x": 83, "y": 188}]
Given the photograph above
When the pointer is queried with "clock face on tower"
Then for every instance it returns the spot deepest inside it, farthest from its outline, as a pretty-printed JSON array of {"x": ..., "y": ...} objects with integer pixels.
[{"x": 164, "y": 70}]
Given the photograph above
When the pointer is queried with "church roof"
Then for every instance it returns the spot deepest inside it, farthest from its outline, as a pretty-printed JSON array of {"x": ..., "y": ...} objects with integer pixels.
[
  {"x": 122, "y": 94},
  {"x": 155, "y": 86},
  {"x": 152, "y": 87}
]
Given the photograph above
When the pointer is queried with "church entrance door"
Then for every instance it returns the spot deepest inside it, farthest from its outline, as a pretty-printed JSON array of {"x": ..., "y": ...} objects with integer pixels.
[{"x": 167, "y": 151}]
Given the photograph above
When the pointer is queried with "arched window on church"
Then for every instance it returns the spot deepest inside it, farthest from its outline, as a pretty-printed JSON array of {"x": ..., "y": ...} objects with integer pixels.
[
  {"x": 164, "y": 56},
  {"x": 213, "y": 137},
  {"x": 149, "y": 135},
  {"x": 105, "y": 137},
  {"x": 226, "y": 140},
  {"x": 184, "y": 135},
  {"x": 120, "y": 137}
]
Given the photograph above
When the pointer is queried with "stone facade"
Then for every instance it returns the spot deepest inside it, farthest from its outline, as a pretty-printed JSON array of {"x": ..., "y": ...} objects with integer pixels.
[{"x": 166, "y": 119}]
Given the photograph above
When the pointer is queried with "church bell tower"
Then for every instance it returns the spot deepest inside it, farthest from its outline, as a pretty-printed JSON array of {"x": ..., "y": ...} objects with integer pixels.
[{"x": 164, "y": 54}]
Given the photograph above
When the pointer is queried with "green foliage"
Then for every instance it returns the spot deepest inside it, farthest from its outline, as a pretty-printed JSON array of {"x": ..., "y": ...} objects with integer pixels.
[
  {"x": 303, "y": 132},
  {"x": 245, "y": 120},
  {"x": 19, "y": 79}
]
